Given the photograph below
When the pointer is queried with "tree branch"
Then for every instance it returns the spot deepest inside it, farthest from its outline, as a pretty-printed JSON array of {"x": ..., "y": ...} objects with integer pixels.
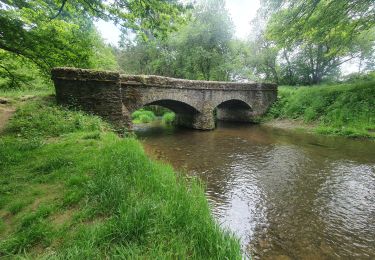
[
  {"x": 60, "y": 10},
  {"x": 12, "y": 77}
]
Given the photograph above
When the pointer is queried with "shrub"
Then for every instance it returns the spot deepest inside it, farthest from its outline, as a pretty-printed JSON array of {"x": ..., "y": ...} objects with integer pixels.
[
  {"x": 143, "y": 116},
  {"x": 169, "y": 117}
]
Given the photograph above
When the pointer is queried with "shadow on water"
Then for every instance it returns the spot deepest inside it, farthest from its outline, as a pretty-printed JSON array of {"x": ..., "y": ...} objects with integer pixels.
[{"x": 287, "y": 195}]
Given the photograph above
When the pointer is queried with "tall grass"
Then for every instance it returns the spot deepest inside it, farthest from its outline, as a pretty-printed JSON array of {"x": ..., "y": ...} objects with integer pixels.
[
  {"x": 143, "y": 116},
  {"x": 341, "y": 109},
  {"x": 70, "y": 188}
]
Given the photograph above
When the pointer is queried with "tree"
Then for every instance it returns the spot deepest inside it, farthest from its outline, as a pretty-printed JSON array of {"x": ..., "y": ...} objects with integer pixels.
[
  {"x": 61, "y": 33},
  {"x": 321, "y": 33},
  {"x": 198, "y": 50}
]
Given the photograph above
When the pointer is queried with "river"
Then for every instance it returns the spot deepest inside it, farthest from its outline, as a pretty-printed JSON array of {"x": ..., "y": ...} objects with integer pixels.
[{"x": 285, "y": 194}]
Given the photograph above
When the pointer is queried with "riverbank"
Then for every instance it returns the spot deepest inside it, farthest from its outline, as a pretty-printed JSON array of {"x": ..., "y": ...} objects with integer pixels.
[
  {"x": 71, "y": 188},
  {"x": 346, "y": 109}
]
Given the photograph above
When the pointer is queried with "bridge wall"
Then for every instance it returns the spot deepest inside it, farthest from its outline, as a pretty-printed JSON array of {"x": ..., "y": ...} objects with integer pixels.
[{"x": 115, "y": 97}]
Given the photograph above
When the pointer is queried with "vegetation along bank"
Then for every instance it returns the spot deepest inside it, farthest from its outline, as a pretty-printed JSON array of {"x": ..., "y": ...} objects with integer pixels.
[
  {"x": 346, "y": 109},
  {"x": 70, "y": 187}
]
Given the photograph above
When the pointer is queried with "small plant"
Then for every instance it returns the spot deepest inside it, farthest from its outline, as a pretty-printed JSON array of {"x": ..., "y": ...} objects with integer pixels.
[{"x": 169, "y": 117}]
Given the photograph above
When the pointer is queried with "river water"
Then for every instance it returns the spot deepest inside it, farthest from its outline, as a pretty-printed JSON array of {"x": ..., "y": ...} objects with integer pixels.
[{"x": 286, "y": 195}]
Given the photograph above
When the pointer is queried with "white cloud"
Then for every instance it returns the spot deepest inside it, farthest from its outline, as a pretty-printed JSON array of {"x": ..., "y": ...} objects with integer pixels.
[
  {"x": 242, "y": 12},
  {"x": 110, "y": 33}
]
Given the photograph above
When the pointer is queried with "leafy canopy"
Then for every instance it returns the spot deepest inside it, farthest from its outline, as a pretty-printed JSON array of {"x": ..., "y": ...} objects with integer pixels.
[
  {"x": 61, "y": 32},
  {"x": 319, "y": 20}
]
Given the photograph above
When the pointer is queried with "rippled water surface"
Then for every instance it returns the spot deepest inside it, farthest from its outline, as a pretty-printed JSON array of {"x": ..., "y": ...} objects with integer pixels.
[{"x": 286, "y": 195}]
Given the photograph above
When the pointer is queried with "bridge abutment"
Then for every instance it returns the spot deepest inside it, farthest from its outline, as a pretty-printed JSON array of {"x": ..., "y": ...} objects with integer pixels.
[{"x": 204, "y": 121}]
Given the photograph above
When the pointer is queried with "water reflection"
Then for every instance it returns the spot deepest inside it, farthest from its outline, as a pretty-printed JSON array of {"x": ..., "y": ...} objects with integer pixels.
[{"x": 286, "y": 195}]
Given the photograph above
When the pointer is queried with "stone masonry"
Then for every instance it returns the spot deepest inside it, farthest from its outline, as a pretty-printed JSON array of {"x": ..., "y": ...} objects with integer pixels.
[{"x": 115, "y": 97}]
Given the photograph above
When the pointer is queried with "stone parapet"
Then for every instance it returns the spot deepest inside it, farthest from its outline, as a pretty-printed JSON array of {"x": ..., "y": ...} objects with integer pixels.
[{"x": 166, "y": 82}]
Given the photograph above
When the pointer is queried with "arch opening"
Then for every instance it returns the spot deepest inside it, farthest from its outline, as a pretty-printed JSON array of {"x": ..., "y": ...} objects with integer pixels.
[
  {"x": 234, "y": 110},
  {"x": 183, "y": 113},
  {"x": 234, "y": 104},
  {"x": 176, "y": 106}
]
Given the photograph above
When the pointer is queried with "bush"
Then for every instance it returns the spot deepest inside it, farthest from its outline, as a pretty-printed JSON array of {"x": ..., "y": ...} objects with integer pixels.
[
  {"x": 143, "y": 116},
  {"x": 169, "y": 117}
]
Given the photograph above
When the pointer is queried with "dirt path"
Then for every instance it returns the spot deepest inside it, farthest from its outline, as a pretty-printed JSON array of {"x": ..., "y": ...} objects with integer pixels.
[{"x": 6, "y": 112}]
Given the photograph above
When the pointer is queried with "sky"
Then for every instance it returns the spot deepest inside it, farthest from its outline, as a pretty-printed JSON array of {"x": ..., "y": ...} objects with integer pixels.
[{"x": 241, "y": 11}]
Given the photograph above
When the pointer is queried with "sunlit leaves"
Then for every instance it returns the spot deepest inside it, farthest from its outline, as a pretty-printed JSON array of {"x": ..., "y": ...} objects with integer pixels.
[{"x": 53, "y": 33}]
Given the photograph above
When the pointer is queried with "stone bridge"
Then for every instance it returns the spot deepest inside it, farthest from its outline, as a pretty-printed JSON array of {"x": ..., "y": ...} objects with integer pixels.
[{"x": 115, "y": 97}]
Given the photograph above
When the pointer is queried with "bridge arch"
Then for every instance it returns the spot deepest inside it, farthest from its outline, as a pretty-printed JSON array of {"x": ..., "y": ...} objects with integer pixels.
[
  {"x": 178, "y": 107},
  {"x": 234, "y": 103},
  {"x": 235, "y": 110},
  {"x": 186, "y": 114}
]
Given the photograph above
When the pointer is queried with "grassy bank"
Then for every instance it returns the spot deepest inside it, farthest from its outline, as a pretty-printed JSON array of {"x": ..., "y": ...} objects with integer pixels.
[
  {"x": 341, "y": 109},
  {"x": 71, "y": 188}
]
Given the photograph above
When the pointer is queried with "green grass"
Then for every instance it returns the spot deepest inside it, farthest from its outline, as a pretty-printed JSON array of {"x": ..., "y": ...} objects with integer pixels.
[
  {"x": 71, "y": 188},
  {"x": 341, "y": 109},
  {"x": 17, "y": 94},
  {"x": 143, "y": 116}
]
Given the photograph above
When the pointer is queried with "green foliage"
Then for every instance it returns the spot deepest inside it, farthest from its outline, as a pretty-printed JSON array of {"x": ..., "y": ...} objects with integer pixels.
[
  {"x": 341, "y": 109},
  {"x": 334, "y": 21},
  {"x": 40, "y": 35},
  {"x": 19, "y": 73},
  {"x": 102, "y": 197},
  {"x": 47, "y": 44},
  {"x": 169, "y": 117},
  {"x": 143, "y": 116}
]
